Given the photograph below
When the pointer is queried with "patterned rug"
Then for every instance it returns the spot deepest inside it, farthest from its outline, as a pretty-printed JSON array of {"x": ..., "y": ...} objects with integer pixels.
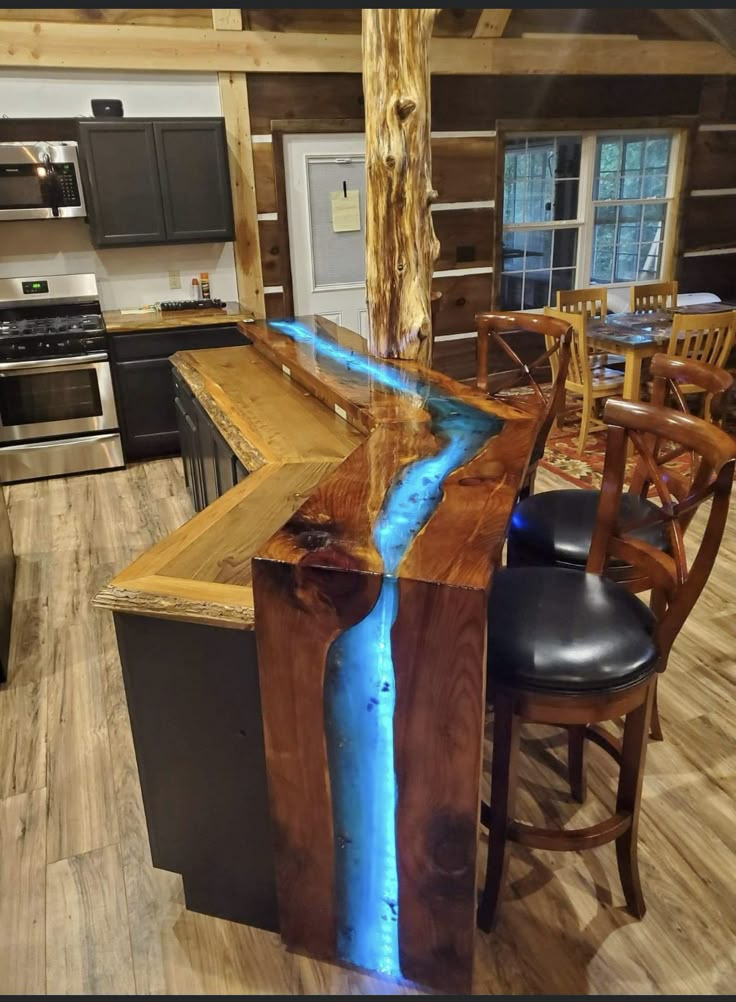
[{"x": 561, "y": 456}]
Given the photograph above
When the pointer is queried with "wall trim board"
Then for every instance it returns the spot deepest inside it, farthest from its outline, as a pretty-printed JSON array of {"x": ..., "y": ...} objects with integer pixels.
[
  {"x": 716, "y": 127},
  {"x": 709, "y": 192},
  {"x": 464, "y": 134},
  {"x": 456, "y": 337},
  {"x": 81, "y": 46},
  {"x": 594, "y": 124},
  {"x": 458, "y": 272},
  {"x": 271, "y": 289},
  {"x": 484, "y": 203},
  {"x": 267, "y": 217},
  {"x": 261, "y": 138},
  {"x": 711, "y": 252}
]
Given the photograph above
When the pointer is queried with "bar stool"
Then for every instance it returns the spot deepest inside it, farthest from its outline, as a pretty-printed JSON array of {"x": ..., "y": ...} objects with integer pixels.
[{"x": 578, "y": 649}]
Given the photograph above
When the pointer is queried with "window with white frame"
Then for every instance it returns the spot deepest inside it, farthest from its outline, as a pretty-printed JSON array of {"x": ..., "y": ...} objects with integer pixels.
[{"x": 584, "y": 209}]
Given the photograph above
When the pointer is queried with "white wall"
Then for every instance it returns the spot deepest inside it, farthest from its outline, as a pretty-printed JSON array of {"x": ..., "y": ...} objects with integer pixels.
[{"x": 126, "y": 276}]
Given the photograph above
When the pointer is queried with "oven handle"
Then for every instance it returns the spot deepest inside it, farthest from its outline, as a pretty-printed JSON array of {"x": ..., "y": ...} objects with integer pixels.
[{"x": 47, "y": 363}]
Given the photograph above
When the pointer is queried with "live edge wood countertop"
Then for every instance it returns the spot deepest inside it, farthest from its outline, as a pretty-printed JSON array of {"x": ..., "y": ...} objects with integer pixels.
[
  {"x": 118, "y": 322},
  {"x": 287, "y": 439}
]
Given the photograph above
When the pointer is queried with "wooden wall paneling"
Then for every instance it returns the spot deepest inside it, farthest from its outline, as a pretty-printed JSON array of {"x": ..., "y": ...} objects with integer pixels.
[
  {"x": 709, "y": 222},
  {"x": 462, "y": 297},
  {"x": 173, "y": 17},
  {"x": 475, "y": 102},
  {"x": 462, "y": 168},
  {"x": 265, "y": 188},
  {"x": 709, "y": 273},
  {"x": 492, "y": 23},
  {"x": 227, "y": 18},
  {"x": 130, "y": 47},
  {"x": 234, "y": 102},
  {"x": 269, "y": 238},
  {"x": 303, "y": 96},
  {"x": 275, "y": 305},
  {"x": 713, "y": 161},
  {"x": 590, "y": 21},
  {"x": 466, "y": 238},
  {"x": 455, "y": 357}
]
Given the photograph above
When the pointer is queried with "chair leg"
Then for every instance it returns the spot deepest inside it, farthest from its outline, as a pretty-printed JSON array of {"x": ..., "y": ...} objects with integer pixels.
[
  {"x": 655, "y": 732},
  {"x": 503, "y": 792},
  {"x": 576, "y": 762},
  {"x": 633, "y": 757},
  {"x": 584, "y": 423}
]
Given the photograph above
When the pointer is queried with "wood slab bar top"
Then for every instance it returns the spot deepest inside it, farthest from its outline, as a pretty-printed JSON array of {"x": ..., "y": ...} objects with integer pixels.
[
  {"x": 202, "y": 571},
  {"x": 370, "y": 616},
  {"x": 118, "y": 322}
]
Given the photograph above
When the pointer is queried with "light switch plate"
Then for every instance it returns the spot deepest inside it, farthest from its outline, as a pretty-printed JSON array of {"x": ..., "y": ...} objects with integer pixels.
[{"x": 174, "y": 280}]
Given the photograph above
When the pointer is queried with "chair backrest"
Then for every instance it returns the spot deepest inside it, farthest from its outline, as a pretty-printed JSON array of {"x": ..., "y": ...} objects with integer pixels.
[
  {"x": 653, "y": 296},
  {"x": 671, "y": 372},
  {"x": 676, "y": 584},
  {"x": 500, "y": 328},
  {"x": 705, "y": 337},
  {"x": 579, "y": 375},
  {"x": 592, "y": 302}
]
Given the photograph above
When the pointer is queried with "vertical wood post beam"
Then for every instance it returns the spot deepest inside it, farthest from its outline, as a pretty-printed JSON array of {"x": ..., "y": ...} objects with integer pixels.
[
  {"x": 401, "y": 246},
  {"x": 234, "y": 104},
  {"x": 248, "y": 267}
]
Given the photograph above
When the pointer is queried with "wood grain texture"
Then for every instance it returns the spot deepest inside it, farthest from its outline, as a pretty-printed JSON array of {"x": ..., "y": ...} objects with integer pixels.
[
  {"x": 81, "y": 803},
  {"x": 234, "y": 104},
  {"x": 173, "y": 17},
  {"x": 264, "y": 176},
  {"x": 23, "y": 739},
  {"x": 713, "y": 160},
  {"x": 492, "y": 23},
  {"x": 86, "y": 903},
  {"x": 709, "y": 222},
  {"x": 400, "y": 243},
  {"x": 462, "y": 297},
  {"x": 23, "y": 893},
  {"x": 227, "y": 19},
  {"x": 119, "y": 323},
  {"x": 466, "y": 238},
  {"x": 463, "y": 168},
  {"x": 714, "y": 273},
  {"x": 275, "y": 306},
  {"x": 452, "y": 22},
  {"x": 271, "y": 262}
]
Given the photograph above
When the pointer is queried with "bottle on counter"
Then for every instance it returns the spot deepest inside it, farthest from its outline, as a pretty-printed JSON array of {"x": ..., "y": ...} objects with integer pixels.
[
  {"x": 204, "y": 284},
  {"x": 194, "y": 294}
]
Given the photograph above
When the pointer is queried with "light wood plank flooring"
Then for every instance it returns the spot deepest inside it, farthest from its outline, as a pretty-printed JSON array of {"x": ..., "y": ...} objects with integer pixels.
[{"x": 82, "y": 911}]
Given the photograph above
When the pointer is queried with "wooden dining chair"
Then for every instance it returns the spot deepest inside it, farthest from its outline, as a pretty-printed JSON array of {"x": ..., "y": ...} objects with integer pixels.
[
  {"x": 577, "y": 649},
  {"x": 592, "y": 302},
  {"x": 498, "y": 332},
  {"x": 585, "y": 381},
  {"x": 652, "y": 296},
  {"x": 705, "y": 337}
]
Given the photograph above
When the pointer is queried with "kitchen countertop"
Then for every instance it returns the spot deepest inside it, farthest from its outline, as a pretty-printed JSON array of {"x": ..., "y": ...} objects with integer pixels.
[
  {"x": 287, "y": 439},
  {"x": 117, "y": 322}
]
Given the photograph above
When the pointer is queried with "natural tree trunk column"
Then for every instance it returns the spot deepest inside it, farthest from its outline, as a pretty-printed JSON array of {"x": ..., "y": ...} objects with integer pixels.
[{"x": 401, "y": 246}]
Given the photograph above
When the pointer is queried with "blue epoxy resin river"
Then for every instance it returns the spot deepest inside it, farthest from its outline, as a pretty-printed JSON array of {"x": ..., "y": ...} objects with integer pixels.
[{"x": 360, "y": 684}]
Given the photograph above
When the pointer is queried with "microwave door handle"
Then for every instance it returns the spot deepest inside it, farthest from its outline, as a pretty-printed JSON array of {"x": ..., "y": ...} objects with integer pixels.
[{"x": 58, "y": 363}]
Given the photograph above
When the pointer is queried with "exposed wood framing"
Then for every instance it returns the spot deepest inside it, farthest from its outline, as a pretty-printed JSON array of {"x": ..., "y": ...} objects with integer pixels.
[
  {"x": 125, "y": 47},
  {"x": 248, "y": 268},
  {"x": 401, "y": 247},
  {"x": 175, "y": 17},
  {"x": 492, "y": 23},
  {"x": 227, "y": 19}
]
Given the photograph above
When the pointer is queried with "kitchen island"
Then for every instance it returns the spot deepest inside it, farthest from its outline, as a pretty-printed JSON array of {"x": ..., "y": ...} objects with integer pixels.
[{"x": 323, "y": 623}]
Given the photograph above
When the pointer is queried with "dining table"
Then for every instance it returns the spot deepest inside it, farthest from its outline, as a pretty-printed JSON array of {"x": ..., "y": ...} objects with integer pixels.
[{"x": 637, "y": 336}]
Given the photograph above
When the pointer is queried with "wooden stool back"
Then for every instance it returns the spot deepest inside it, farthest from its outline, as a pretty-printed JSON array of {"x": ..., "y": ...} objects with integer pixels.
[
  {"x": 653, "y": 296},
  {"x": 704, "y": 337}
]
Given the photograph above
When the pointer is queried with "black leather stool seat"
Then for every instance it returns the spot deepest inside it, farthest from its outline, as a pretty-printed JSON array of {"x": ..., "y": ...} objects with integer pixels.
[
  {"x": 556, "y": 527},
  {"x": 561, "y": 630}
]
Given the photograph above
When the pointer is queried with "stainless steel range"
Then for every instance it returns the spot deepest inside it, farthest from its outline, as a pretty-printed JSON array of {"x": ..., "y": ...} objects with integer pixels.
[{"x": 57, "y": 409}]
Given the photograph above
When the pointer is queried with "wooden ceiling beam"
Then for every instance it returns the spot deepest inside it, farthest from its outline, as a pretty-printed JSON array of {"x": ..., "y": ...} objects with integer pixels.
[
  {"x": 492, "y": 23},
  {"x": 122, "y": 47}
]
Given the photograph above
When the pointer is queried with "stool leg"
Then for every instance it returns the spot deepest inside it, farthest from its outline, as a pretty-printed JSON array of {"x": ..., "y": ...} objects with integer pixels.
[
  {"x": 503, "y": 793},
  {"x": 576, "y": 761},
  {"x": 633, "y": 757},
  {"x": 656, "y": 725}
]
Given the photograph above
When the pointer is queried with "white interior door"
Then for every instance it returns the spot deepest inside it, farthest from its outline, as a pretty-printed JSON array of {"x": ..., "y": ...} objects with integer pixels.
[{"x": 326, "y": 227}]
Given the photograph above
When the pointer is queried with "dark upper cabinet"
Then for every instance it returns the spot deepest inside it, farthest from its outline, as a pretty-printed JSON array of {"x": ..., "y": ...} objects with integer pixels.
[
  {"x": 195, "y": 180},
  {"x": 124, "y": 192},
  {"x": 162, "y": 181}
]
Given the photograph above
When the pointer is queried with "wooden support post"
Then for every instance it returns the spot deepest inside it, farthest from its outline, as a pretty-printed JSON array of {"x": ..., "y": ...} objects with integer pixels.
[
  {"x": 248, "y": 268},
  {"x": 401, "y": 246},
  {"x": 492, "y": 23},
  {"x": 227, "y": 19}
]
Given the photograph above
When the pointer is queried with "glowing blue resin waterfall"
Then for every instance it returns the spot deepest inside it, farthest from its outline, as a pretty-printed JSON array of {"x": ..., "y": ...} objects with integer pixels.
[{"x": 360, "y": 684}]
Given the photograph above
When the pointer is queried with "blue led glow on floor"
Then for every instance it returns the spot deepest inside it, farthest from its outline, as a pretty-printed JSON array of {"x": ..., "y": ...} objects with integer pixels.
[{"x": 360, "y": 684}]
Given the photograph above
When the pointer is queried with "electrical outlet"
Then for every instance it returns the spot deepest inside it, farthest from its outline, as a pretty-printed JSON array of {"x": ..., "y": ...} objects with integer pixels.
[{"x": 174, "y": 280}]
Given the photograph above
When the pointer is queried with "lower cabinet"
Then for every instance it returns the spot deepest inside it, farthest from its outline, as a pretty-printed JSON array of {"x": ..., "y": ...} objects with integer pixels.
[
  {"x": 211, "y": 468},
  {"x": 141, "y": 371}
]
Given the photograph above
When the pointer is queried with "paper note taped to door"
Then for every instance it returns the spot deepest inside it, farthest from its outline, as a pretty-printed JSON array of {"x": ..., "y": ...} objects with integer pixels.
[{"x": 345, "y": 211}]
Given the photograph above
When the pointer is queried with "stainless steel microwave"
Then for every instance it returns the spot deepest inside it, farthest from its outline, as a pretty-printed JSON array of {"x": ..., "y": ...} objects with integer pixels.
[{"x": 40, "y": 181}]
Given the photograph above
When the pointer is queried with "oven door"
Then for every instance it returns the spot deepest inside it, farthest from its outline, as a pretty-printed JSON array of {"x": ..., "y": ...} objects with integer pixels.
[{"x": 60, "y": 396}]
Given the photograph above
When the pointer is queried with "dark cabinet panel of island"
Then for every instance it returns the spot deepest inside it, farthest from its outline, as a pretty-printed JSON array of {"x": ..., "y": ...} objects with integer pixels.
[
  {"x": 144, "y": 390},
  {"x": 211, "y": 467},
  {"x": 195, "y": 712}
]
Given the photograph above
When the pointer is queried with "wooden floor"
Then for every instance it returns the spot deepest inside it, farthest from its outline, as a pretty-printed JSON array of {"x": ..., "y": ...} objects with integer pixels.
[{"x": 82, "y": 911}]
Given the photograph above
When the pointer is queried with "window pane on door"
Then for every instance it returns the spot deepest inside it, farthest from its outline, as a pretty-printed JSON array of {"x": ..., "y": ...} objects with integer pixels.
[{"x": 337, "y": 258}]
